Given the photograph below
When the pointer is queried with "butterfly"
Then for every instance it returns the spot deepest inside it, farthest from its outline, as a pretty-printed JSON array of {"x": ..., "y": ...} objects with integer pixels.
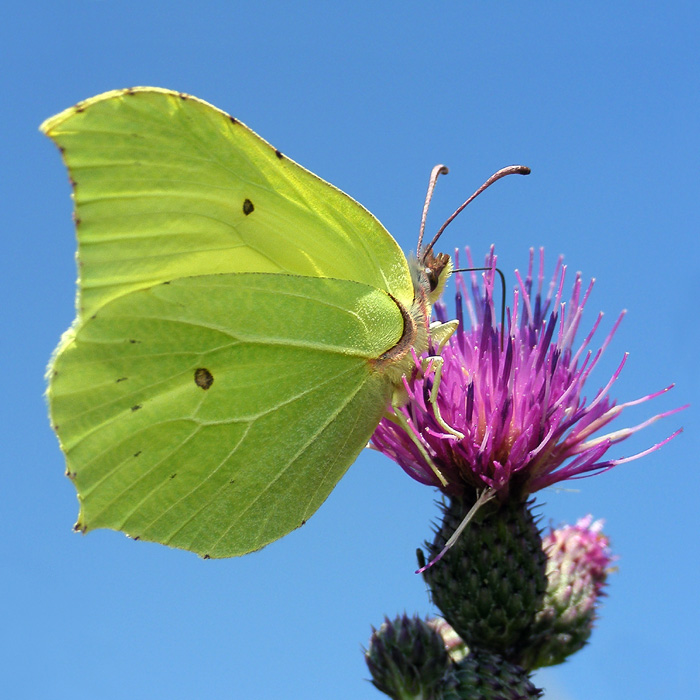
[{"x": 242, "y": 326}]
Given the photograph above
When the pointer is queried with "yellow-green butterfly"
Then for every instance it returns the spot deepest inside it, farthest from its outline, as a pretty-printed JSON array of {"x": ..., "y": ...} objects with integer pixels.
[{"x": 242, "y": 326}]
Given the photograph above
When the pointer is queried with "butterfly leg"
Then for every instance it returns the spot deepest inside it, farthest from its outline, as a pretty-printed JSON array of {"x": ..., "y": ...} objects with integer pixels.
[
  {"x": 440, "y": 333},
  {"x": 435, "y": 363}
]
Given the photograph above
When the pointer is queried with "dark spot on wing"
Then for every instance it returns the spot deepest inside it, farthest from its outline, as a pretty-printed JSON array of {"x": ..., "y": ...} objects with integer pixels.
[
  {"x": 303, "y": 522},
  {"x": 131, "y": 340},
  {"x": 80, "y": 527},
  {"x": 136, "y": 538},
  {"x": 233, "y": 119},
  {"x": 206, "y": 556},
  {"x": 203, "y": 378},
  {"x": 129, "y": 91},
  {"x": 80, "y": 107},
  {"x": 136, "y": 407},
  {"x": 172, "y": 476},
  {"x": 121, "y": 379},
  {"x": 248, "y": 207},
  {"x": 183, "y": 96},
  {"x": 279, "y": 154},
  {"x": 71, "y": 475},
  {"x": 136, "y": 454}
]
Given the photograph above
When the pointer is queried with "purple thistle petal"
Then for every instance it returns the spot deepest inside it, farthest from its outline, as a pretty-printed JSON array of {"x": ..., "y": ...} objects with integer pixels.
[{"x": 517, "y": 401}]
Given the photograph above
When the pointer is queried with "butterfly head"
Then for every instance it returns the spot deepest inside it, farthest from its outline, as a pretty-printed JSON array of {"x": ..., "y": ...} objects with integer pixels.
[
  {"x": 429, "y": 273},
  {"x": 436, "y": 269}
]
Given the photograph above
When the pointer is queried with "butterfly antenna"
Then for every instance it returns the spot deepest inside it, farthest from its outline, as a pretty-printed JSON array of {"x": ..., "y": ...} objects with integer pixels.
[
  {"x": 510, "y": 170},
  {"x": 434, "y": 174}
]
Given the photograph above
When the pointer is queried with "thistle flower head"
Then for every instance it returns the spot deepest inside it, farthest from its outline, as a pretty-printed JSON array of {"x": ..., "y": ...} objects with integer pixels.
[
  {"x": 510, "y": 415},
  {"x": 407, "y": 659},
  {"x": 580, "y": 552},
  {"x": 578, "y": 564}
]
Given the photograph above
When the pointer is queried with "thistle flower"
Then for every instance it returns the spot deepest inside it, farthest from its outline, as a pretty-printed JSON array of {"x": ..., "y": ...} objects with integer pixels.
[
  {"x": 407, "y": 659},
  {"x": 491, "y": 584},
  {"x": 510, "y": 417},
  {"x": 579, "y": 551},
  {"x": 578, "y": 564},
  {"x": 483, "y": 675},
  {"x": 414, "y": 659}
]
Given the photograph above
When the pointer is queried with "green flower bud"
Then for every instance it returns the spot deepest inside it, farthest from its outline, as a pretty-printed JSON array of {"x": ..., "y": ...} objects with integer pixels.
[
  {"x": 484, "y": 675},
  {"x": 491, "y": 583},
  {"x": 407, "y": 659}
]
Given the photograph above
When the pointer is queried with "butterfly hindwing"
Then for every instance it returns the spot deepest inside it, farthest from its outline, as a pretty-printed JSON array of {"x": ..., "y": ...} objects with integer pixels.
[{"x": 191, "y": 417}]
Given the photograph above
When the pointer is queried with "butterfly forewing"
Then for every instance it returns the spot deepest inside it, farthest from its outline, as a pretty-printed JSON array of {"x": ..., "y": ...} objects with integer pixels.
[{"x": 168, "y": 186}]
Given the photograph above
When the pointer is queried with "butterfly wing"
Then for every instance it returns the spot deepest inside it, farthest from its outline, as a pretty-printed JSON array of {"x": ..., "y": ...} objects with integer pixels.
[
  {"x": 194, "y": 413},
  {"x": 167, "y": 186}
]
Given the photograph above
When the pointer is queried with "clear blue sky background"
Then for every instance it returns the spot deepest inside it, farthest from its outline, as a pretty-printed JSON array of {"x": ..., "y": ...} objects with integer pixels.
[{"x": 600, "y": 99}]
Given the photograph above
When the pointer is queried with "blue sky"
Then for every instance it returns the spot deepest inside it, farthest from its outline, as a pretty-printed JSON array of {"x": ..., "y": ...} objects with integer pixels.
[{"x": 601, "y": 100}]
